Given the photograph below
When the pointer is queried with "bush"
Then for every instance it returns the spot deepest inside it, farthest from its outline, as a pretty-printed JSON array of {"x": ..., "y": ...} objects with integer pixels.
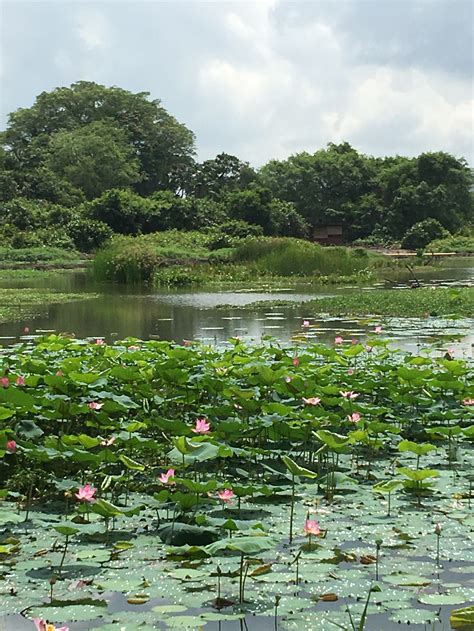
[
  {"x": 126, "y": 260},
  {"x": 420, "y": 234},
  {"x": 288, "y": 257},
  {"x": 228, "y": 233},
  {"x": 89, "y": 234}
]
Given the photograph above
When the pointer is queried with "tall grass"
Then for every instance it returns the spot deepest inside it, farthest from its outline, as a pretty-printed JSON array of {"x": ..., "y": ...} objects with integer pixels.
[{"x": 295, "y": 257}]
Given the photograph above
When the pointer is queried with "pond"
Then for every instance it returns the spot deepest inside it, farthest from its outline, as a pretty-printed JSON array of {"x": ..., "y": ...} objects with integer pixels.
[
  {"x": 121, "y": 312},
  {"x": 208, "y": 463}
]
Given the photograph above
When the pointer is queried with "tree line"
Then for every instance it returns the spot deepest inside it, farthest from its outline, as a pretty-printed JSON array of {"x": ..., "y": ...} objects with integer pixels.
[{"x": 87, "y": 161}]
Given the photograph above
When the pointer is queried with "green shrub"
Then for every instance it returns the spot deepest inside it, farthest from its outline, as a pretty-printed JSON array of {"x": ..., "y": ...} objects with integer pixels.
[
  {"x": 126, "y": 260},
  {"x": 88, "y": 234},
  {"x": 455, "y": 243},
  {"x": 420, "y": 234},
  {"x": 288, "y": 257}
]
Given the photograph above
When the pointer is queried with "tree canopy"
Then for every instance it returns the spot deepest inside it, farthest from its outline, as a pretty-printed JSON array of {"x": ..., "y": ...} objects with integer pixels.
[{"x": 106, "y": 157}]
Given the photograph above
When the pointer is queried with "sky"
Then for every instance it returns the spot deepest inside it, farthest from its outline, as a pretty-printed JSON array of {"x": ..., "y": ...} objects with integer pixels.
[{"x": 262, "y": 79}]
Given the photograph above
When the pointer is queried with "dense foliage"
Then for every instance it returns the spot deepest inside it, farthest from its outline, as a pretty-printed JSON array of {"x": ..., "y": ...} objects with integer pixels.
[
  {"x": 105, "y": 154},
  {"x": 191, "y": 484}
]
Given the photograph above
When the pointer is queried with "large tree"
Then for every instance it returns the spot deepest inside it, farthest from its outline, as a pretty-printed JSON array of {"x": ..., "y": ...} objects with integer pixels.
[
  {"x": 163, "y": 147},
  {"x": 223, "y": 174}
]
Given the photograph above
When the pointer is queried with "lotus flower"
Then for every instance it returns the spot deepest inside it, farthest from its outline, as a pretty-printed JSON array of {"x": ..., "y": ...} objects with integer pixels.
[
  {"x": 296, "y": 362},
  {"x": 165, "y": 478},
  {"x": 11, "y": 446},
  {"x": 99, "y": 341},
  {"x": 312, "y": 400},
  {"x": 354, "y": 341},
  {"x": 187, "y": 342},
  {"x": 350, "y": 371},
  {"x": 5, "y": 381},
  {"x": 226, "y": 495},
  {"x": 355, "y": 417},
  {"x": 202, "y": 426},
  {"x": 86, "y": 493},
  {"x": 468, "y": 402},
  {"x": 20, "y": 381},
  {"x": 42, "y": 625},
  {"x": 288, "y": 379},
  {"x": 338, "y": 340},
  {"x": 107, "y": 441},
  {"x": 378, "y": 329},
  {"x": 311, "y": 527},
  {"x": 305, "y": 322},
  {"x": 26, "y": 329},
  {"x": 93, "y": 405},
  {"x": 348, "y": 394},
  {"x": 59, "y": 373},
  {"x": 368, "y": 348}
]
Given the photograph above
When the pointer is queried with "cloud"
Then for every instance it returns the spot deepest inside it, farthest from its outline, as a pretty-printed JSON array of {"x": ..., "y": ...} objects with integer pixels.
[
  {"x": 92, "y": 29},
  {"x": 263, "y": 79}
]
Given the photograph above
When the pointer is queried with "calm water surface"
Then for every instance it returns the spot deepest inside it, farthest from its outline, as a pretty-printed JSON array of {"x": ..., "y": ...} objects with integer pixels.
[{"x": 178, "y": 315}]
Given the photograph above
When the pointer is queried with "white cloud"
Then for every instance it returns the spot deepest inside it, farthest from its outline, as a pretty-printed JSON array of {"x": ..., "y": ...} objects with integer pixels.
[
  {"x": 264, "y": 78},
  {"x": 92, "y": 29}
]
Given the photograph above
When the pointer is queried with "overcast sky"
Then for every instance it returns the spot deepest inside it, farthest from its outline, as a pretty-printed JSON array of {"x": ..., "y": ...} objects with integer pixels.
[{"x": 262, "y": 79}]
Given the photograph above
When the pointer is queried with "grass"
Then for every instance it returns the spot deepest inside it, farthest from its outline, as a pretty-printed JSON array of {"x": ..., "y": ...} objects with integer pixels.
[
  {"x": 185, "y": 258},
  {"x": 295, "y": 257},
  {"x": 456, "y": 243},
  {"x": 410, "y": 303},
  {"x": 19, "y": 304},
  {"x": 38, "y": 256}
]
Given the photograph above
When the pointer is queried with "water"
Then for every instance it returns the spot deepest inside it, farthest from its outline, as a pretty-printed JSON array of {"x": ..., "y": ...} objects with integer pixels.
[{"x": 178, "y": 315}]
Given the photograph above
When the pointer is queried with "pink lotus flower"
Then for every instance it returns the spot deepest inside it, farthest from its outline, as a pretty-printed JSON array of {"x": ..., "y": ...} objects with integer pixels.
[
  {"x": 187, "y": 342},
  {"x": 354, "y": 417},
  {"x": 311, "y": 527},
  {"x": 93, "y": 405},
  {"x": 59, "y": 373},
  {"x": 226, "y": 495},
  {"x": 378, "y": 329},
  {"x": 296, "y": 362},
  {"x": 354, "y": 341},
  {"x": 133, "y": 348},
  {"x": 11, "y": 446},
  {"x": 468, "y": 402},
  {"x": 202, "y": 426},
  {"x": 20, "y": 381},
  {"x": 312, "y": 400},
  {"x": 5, "y": 381},
  {"x": 26, "y": 329},
  {"x": 305, "y": 323},
  {"x": 99, "y": 341},
  {"x": 288, "y": 379},
  {"x": 348, "y": 394},
  {"x": 350, "y": 371},
  {"x": 166, "y": 478},
  {"x": 42, "y": 625},
  {"x": 86, "y": 493},
  {"x": 338, "y": 340}
]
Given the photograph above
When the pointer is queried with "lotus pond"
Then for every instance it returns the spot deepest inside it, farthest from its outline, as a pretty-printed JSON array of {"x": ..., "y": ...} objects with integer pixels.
[{"x": 148, "y": 485}]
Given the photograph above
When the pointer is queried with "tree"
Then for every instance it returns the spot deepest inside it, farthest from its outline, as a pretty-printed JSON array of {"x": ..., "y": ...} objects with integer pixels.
[
  {"x": 93, "y": 158},
  {"x": 224, "y": 174},
  {"x": 163, "y": 147},
  {"x": 422, "y": 233},
  {"x": 321, "y": 184}
]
